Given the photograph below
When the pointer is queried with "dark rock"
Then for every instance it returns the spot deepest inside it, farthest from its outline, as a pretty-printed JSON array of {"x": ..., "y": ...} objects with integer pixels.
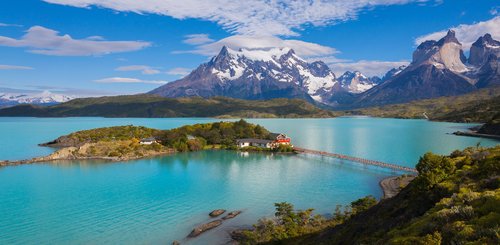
[
  {"x": 176, "y": 243},
  {"x": 231, "y": 215},
  {"x": 205, "y": 227},
  {"x": 237, "y": 235},
  {"x": 217, "y": 212}
]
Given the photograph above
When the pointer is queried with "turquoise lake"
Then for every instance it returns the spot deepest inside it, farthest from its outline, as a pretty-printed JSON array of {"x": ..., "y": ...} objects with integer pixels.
[{"x": 158, "y": 200}]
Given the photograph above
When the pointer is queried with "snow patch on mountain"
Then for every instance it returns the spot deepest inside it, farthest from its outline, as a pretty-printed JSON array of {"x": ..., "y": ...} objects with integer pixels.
[
  {"x": 45, "y": 97},
  {"x": 279, "y": 64},
  {"x": 356, "y": 82}
]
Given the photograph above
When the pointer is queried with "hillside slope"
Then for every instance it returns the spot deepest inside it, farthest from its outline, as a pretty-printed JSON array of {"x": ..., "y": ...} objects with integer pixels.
[
  {"x": 455, "y": 199},
  {"x": 154, "y": 106},
  {"x": 479, "y": 106}
]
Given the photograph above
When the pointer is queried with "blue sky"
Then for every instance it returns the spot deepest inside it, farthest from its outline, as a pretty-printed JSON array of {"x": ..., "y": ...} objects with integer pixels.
[{"x": 100, "y": 47}]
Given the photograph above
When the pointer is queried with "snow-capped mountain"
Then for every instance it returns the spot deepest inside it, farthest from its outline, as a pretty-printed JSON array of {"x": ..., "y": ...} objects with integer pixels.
[
  {"x": 256, "y": 74},
  {"x": 44, "y": 98},
  {"x": 393, "y": 72},
  {"x": 355, "y": 82}
]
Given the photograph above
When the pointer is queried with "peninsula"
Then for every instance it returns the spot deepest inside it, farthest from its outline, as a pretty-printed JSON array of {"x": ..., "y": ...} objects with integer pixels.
[{"x": 123, "y": 143}]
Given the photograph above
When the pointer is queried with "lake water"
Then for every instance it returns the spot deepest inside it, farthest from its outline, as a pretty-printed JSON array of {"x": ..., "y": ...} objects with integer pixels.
[{"x": 156, "y": 201}]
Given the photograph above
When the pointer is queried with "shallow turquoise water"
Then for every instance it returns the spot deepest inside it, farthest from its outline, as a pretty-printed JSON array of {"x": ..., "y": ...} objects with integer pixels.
[{"x": 155, "y": 201}]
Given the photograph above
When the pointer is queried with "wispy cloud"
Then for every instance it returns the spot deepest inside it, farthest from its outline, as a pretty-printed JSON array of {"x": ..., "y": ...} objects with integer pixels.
[
  {"x": 179, "y": 71},
  {"x": 250, "y": 17},
  {"x": 467, "y": 34},
  {"x": 146, "y": 70},
  {"x": 197, "y": 39},
  {"x": 41, "y": 40},
  {"x": 8, "y": 25},
  {"x": 12, "y": 67},
  {"x": 127, "y": 80},
  {"x": 494, "y": 11},
  {"x": 367, "y": 67}
]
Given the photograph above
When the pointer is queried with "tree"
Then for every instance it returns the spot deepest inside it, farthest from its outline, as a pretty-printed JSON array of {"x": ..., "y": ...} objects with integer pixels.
[
  {"x": 433, "y": 169},
  {"x": 363, "y": 204}
]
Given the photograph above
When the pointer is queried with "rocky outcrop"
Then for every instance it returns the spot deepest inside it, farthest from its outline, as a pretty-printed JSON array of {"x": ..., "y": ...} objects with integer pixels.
[
  {"x": 217, "y": 212},
  {"x": 231, "y": 215},
  {"x": 444, "y": 54},
  {"x": 482, "y": 49},
  {"x": 205, "y": 227}
]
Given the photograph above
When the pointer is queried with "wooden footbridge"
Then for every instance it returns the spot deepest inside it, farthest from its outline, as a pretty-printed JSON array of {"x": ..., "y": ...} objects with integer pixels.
[{"x": 355, "y": 159}]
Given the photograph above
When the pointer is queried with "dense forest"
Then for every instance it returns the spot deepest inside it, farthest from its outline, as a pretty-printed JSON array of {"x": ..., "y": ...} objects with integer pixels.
[{"x": 455, "y": 199}]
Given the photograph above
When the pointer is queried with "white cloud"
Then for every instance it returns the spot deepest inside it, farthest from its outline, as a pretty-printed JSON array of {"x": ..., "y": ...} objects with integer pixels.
[
  {"x": 146, "y": 70},
  {"x": 41, "y": 40},
  {"x": 494, "y": 10},
  {"x": 236, "y": 42},
  {"x": 197, "y": 39},
  {"x": 11, "y": 67},
  {"x": 467, "y": 34},
  {"x": 250, "y": 17},
  {"x": 367, "y": 67},
  {"x": 127, "y": 80},
  {"x": 179, "y": 71}
]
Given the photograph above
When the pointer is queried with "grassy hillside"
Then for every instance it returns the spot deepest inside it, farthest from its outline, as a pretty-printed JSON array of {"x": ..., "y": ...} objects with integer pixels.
[
  {"x": 154, "y": 106},
  {"x": 454, "y": 200},
  {"x": 479, "y": 106}
]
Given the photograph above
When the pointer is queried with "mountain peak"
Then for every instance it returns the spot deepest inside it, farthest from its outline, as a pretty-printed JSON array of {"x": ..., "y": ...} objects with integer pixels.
[
  {"x": 255, "y": 74},
  {"x": 355, "y": 82},
  {"x": 487, "y": 39},
  {"x": 482, "y": 49},
  {"x": 449, "y": 38},
  {"x": 444, "y": 54}
]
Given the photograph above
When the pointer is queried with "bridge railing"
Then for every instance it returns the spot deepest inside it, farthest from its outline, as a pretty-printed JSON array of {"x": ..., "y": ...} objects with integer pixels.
[{"x": 356, "y": 159}]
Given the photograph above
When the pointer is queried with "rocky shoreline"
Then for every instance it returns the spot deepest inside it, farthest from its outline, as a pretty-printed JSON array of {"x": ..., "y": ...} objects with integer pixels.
[
  {"x": 392, "y": 185},
  {"x": 475, "y": 134},
  {"x": 69, "y": 154}
]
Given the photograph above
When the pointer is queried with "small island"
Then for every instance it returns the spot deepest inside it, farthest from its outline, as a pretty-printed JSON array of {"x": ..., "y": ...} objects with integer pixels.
[{"x": 123, "y": 143}]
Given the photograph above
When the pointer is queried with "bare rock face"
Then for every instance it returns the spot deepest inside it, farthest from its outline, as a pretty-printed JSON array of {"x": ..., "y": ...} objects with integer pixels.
[
  {"x": 217, "y": 212},
  {"x": 205, "y": 227},
  {"x": 232, "y": 214},
  {"x": 482, "y": 49},
  {"x": 444, "y": 54}
]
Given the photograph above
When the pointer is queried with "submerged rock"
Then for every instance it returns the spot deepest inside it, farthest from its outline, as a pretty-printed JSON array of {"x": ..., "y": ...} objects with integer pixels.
[
  {"x": 231, "y": 215},
  {"x": 217, "y": 212},
  {"x": 205, "y": 227},
  {"x": 176, "y": 243}
]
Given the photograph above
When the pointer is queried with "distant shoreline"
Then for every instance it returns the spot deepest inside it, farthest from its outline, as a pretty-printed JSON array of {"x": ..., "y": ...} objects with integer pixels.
[{"x": 474, "y": 134}]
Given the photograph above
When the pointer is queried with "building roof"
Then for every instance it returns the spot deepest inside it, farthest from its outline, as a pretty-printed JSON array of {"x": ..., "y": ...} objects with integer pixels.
[
  {"x": 257, "y": 141},
  {"x": 150, "y": 139},
  {"x": 275, "y": 135}
]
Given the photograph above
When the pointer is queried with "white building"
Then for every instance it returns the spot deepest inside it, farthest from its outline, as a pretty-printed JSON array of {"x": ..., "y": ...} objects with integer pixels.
[
  {"x": 148, "y": 141},
  {"x": 254, "y": 142}
]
